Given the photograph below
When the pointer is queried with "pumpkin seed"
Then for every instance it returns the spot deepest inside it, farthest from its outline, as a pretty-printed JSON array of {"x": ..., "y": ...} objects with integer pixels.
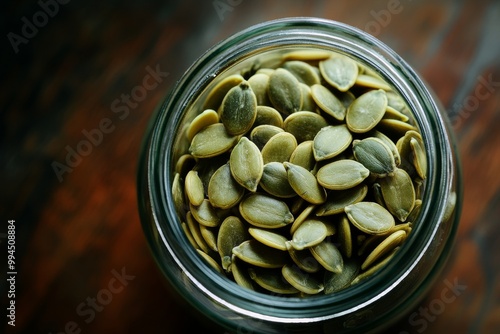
[
  {"x": 306, "y": 55},
  {"x": 275, "y": 180},
  {"x": 303, "y": 155},
  {"x": 271, "y": 280},
  {"x": 308, "y": 103},
  {"x": 260, "y": 255},
  {"x": 345, "y": 237},
  {"x": 334, "y": 282},
  {"x": 328, "y": 102},
  {"x": 395, "y": 126},
  {"x": 366, "y": 111},
  {"x": 268, "y": 238},
  {"x": 398, "y": 193},
  {"x": 374, "y": 155},
  {"x": 450, "y": 206},
  {"x": 390, "y": 144},
  {"x": 219, "y": 91},
  {"x": 284, "y": 91},
  {"x": 214, "y": 264},
  {"x": 305, "y": 184},
  {"x": 370, "y": 217},
  {"x": 178, "y": 195},
  {"x": 391, "y": 113},
  {"x": 205, "y": 214},
  {"x": 223, "y": 190},
  {"x": 336, "y": 201},
  {"x": 194, "y": 188},
  {"x": 239, "y": 109},
  {"x": 419, "y": 157},
  {"x": 240, "y": 274},
  {"x": 185, "y": 163},
  {"x": 303, "y": 282},
  {"x": 387, "y": 245},
  {"x": 370, "y": 81},
  {"x": 269, "y": 116},
  {"x": 412, "y": 217},
  {"x": 310, "y": 233},
  {"x": 304, "y": 125},
  {"x": 246, "y": 164},
  {"x": 259, "y": 82},
  {"x": 232, "y": 233},
  {"x": 211, "y": 141},
  {"x": 189, "y": 236},
  {"x": 302, "y": 217},
  {"x": 264, "y": 211},
  {"x": 373, "y": 269},
  {"x": 342, "y": 174},
  {"x": 209, "y": 236},
  {"x": 329, "y": 256},
  {"x": 330, "y": 141},
  {"x": 377, "y": 194},
  {"x": 339, "y": 71},
  {"x": 303, "y": 259},
  {"x": 194, "y": 228},
  {"x": 206, "y": 118},
  {"x": 261, "y": 134},
  {"x": 304, "y": 72},
  {"x": 279, "y": 148}
]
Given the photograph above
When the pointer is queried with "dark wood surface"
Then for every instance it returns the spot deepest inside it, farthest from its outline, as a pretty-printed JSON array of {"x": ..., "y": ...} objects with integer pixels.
[{"x": 76, "y": 232}]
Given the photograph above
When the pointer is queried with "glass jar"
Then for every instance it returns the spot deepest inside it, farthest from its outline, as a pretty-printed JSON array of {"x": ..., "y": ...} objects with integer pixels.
[{"x": 369, "y": 306}]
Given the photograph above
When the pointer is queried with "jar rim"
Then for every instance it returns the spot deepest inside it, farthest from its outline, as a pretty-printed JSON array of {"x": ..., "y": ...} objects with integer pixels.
[{"x": 287, "y": 32}]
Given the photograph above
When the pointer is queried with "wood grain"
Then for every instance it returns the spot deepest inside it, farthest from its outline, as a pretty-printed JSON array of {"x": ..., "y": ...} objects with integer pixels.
[{"x": 76, "y": 232}]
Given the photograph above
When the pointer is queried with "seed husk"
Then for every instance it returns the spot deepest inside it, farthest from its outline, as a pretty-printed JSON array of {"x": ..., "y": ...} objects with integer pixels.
[
  {"x": 239, "y": 109},
  {"x": 264, "y": 211},
  {"x": 223, "y": 190},
  {"x": 303, "y": 155},
  {"x": 217, "y": 94},
  {"x": 330, "y": 141},
  {"x": 268, "y": 116},
  {"x": 212, "y": 141},
  {"x": 304, "y": 125},
  {"x": 339, "y": 71},
  {"x": 336, "y": 201},
  {"x": 268, "y": 238},
  {"x": 260, "y": 255},
  {"x": 374, "y": 154},
  {"x": 398, "y": 193},
  {"x": 279, "y": 148},
  {"x": 310, "y": 233},
  {"x": 370, "y": 217},
  {"x": 342, "y": 174},
  {"x": 328, "y": 102},
  {"x": 387, "y": 245},
  {"x": 334, "y": 282},
  {"x": 261, "y": 134},
  {"x": 275, "y": 180},
  {"x": 232, "y": 233},
  {"x": 272, "y": 280},
  {"x": 302, "y": 281},
  {"x": 246, "y": 164},
  {"x": 304, "y": 72},
  {"x": 284, "y": 91},
  {"x": 366, "y": 111},
  {"x": 205, "y": 214},
  {"x": 305, "y": 184},
  {"x": 329, "y": 256}
]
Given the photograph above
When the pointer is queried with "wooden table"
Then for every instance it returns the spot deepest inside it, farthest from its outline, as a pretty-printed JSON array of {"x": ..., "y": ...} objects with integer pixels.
[{"x": 64, "y": 75}]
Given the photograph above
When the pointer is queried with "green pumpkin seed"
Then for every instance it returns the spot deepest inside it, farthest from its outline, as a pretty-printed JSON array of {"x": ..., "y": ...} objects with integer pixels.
[
  {"x": 305, "y": 184},
  {"x": 304, "y": 125},
  {"x": 279, "y": 148},
  {"x": 373, "y": 269},
  {"x": 271, "y": 280},
  {"x": 366, "y": 111},
  {"x": 303, "y": 155},
  {"x": 406, "y": 151},
  {"x": 334, "y": 282},
  {"x": 178, "y": 196},
  {"x": 214, "y": 264},
  {"x": 387, "y": 245},
  {"x": 303, "y": 259},
  {"x": 212, "y": 141},
  {"x": 310, "y": 233},
  {"x": 374, "y": 155},
  {"x": 268, "y": 238},
  {"x": 342, "y": 174},
  {"x": 264, "y": 211},
  {"x": 377, "y": 194},
  {"x": 217, "y": 93},
  {"x": 304, "y": 72},
  {"x": 240, "y": 273},
  {"x": 336, "y": 201},
  {"x": 329, "y": 256},
  {"x": 302, "y": 281},
  {"x": 369, "y": 81},
  {"x": 302, "y": 217},
  {"x": 232, "y": 233},
  {"x": 412, "y": 217},
  {"x": 284, "y": 91},
  {"x": 206, "y": 118},
  {"x": 185, "y": 163},
  {"x": 419, "y": 157},
  {"x": 330, "y": 141},
  {"x": 395, "y": 126},
  {"x": 391, "y": 113},
  {"x": 390, "y": 144},
  {"x": 260, "y": 255},
  {"x": 261, "y": 134},
  {"x": 259, "y": 82},
  {"x": 307, "y": 55},
  {"x": 370, "y": 217},
  {"x": 398, "y": 193},
  {"x": 308, "y": 103},
  {"x": 450, "y": 206},
  {"x": 328, "y": 102},
  {"x": 223, "y": 190},
  {"x": 194, "y": 228},
  {"x": 189, "y": 236},
  {"x": 275, "y": 180},
  {"x": 239, "y": 109},
  {"x": 339, "y": 71},
  {"x": 345, "y": 237},
  {"x": 246, "y": 164},
  {"x": 193, "y": 187},
  {"x": 396, "y": 102},
  {"x": 209, "y": 236},
  {"x": 269, "y": 116},
  {"x": 205, "y": 214}
]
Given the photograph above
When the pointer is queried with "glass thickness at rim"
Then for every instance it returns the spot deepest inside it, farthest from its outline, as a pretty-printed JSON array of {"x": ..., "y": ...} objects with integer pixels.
[{"x": 313, "y": 32}]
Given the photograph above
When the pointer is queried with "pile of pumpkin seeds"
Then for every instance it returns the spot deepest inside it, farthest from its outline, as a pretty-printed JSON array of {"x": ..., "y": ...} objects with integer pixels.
[{"x": 302, "y": 178}]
